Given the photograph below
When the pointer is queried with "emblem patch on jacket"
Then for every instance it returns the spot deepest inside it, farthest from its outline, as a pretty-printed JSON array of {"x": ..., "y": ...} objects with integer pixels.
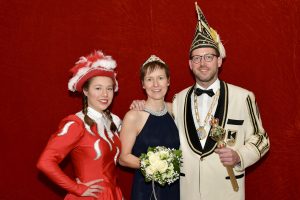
[{"x": 231, "y": 137}]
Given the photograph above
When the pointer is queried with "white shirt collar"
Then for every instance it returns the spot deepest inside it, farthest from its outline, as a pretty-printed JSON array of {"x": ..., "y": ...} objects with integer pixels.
[
  {"x": 92, "y": 113},
  {"x": 215, "y": 86}
]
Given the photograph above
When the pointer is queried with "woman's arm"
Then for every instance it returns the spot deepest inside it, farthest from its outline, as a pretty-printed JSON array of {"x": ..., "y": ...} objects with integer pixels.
[
  {"x": 59, "y": 145},
  {"x": 129, "y": 132}
]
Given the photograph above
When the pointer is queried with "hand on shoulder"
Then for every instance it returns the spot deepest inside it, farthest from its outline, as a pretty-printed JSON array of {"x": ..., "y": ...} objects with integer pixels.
[{"x": 137, "y": 105}]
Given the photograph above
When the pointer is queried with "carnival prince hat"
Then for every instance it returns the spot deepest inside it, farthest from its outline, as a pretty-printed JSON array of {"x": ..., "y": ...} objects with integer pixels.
[
  {"x": 95, "y": 64},
  {"x": 206, "y": 36}
]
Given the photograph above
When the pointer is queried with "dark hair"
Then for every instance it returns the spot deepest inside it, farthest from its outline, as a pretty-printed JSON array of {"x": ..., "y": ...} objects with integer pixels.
[
  {"x": 151, "y": 66},
  {"x": 113, "y": 126},
  {"x": 87, "y": 119}
]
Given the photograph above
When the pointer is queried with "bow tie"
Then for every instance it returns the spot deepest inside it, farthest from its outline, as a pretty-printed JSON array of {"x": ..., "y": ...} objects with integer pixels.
[{"x": 209, "y": 92}]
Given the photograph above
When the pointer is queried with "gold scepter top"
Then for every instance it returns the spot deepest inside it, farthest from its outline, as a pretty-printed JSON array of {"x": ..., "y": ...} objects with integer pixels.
[{"x": 217, "y": 132}]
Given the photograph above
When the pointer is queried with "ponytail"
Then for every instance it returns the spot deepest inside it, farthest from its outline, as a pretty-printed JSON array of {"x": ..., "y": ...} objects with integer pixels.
[
  {"x": 87, "y": 119},
  {"x": 113, "y": 126}
]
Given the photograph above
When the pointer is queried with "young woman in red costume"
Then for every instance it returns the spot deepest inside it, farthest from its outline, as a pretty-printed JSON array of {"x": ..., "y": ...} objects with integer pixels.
[{"x": 89, "y": 136}]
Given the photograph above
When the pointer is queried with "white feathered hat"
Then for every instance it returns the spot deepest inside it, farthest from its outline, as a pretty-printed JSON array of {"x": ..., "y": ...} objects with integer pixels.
[{"x": 96, "y": 64}]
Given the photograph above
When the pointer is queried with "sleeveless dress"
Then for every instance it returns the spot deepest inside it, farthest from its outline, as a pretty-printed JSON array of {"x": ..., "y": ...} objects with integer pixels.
[
  {"x": 94, "y": 156},
  {"x": 158, "y": 131}
]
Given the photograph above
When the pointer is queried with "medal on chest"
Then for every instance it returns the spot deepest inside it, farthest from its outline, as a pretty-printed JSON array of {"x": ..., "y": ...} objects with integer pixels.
[{"x": 201, "y": 132}]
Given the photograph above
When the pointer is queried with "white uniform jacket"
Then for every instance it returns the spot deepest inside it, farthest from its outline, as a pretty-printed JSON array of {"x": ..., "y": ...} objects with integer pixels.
[{"x": 203, "y": 175}]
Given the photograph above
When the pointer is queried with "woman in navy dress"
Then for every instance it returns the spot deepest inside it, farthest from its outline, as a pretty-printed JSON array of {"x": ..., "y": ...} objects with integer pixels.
[{"x": 150, "y": 127}]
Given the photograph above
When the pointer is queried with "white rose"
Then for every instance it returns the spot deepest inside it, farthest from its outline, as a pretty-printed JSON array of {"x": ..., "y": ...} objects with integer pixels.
[
  {"x": 162, "y": 166},
  {"x": 164, "y": 154},
  {"x": 153, "y": 159},
  {"x": 150, "y": 170}
]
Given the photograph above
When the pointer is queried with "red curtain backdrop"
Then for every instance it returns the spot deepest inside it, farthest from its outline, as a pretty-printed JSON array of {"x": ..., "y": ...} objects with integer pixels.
[{"x": 40, "y": 40}]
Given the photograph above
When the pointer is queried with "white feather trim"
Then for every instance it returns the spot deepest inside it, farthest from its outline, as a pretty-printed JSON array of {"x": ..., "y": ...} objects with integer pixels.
[
  {"x": 108, "y": 64},
  {"x": 82, "y": 59},
  {"x": 105, "y": 64},
  {"x": 72, "y": 82},
  {"x": 220, "y": 47}
]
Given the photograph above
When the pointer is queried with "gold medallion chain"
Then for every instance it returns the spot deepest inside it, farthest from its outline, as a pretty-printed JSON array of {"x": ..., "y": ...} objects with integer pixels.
[{"x": 200, "y": 130}]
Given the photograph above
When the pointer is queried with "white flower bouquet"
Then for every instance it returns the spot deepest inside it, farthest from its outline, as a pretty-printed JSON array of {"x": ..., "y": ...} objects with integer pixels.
[{"x": 161, "y": 164}]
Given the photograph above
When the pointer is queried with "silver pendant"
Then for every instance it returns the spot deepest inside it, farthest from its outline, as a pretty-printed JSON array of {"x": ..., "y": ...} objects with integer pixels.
[{"x": 201, "y": 133}]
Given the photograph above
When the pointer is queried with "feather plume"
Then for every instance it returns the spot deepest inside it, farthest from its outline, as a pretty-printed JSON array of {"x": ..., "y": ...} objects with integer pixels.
[{"x": 95, "y": 61}]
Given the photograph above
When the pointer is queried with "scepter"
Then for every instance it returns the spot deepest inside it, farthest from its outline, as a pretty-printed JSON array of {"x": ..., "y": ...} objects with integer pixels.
[{"x": 218, "y": 134}]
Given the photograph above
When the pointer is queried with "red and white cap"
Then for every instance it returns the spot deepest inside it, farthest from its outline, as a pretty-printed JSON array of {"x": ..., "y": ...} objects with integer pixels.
[{"x": 96, "y": 64}]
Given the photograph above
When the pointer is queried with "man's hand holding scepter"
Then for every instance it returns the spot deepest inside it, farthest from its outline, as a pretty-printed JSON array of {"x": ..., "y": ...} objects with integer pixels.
[{"x": 228, "y": 156}]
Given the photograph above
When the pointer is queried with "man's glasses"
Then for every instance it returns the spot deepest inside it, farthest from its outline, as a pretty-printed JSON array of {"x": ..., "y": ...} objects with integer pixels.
[{"x": 207, "y": 58}]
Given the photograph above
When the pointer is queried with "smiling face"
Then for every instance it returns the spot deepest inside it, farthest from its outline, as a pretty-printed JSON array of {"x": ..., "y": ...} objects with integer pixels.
[
  {"x": 99, "y": 92},
  {"x": 205, "y": 72},
  {"x": 156, "y": 83}
]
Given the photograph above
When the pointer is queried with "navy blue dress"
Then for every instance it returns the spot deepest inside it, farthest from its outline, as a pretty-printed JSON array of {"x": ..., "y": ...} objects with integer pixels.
[{"x": 158, "y": 131}]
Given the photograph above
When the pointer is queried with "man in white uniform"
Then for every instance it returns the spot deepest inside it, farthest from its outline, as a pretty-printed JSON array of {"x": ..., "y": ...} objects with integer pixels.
[{"x": 204, "y": 175}]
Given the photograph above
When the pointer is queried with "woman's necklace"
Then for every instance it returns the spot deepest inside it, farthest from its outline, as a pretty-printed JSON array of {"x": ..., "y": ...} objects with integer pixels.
[
  {"x": 200, "y": 130},
  {"x": 157, "y": 113}
]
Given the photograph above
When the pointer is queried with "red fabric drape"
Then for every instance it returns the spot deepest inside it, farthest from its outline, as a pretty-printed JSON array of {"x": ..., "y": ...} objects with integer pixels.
[{"x": 41, "y": 40}]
